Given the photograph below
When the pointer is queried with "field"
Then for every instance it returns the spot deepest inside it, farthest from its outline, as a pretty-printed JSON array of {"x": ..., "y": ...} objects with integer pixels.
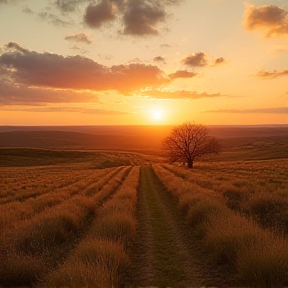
[{"x": 126, "y": 218}]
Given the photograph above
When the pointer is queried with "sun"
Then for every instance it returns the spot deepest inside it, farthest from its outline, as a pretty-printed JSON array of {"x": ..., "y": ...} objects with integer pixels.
[{"x": 157, "y": 114}]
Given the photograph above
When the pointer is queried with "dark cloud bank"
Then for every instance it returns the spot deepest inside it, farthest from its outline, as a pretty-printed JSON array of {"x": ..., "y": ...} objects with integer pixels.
[
  {"x": 55, "y": 71},
  {"x": 32, "y": 77}
]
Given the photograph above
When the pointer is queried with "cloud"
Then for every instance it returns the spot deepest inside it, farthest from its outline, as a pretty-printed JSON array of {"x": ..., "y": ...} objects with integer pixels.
[
  {"x": 54, "y": 19},
  {"x": 182, "y": 74},
  {"x": 277, "y": 110},
  {"x": 177, "y": 95},
  {"x": 201, "y": 59},
  {"x": 142, "y": 16},
  {"x": 272, "y": 74},
  {"x": 27, "y": 10},
  {"x": 138, "y": 17},
  {"x": 12, "y": 93},
  {"x": 219, "y": 61},
  {"x": 271, "y": 18},
  {"x": 97, "y": 14},
  {"x": 68, "y": 5},
  {"x": 75, "y": 72},
  {"x": 79, "y": 49},
  {"x": 15, "y": 94},
  {"x": 197, "y": 59},
  {"x": 16, "y": 47},
  {"x": 102, "y": 112},
  {"x": 166, "y": 46},
  {"x": 80, "y": 38},
  {"x": 9, "y": 1},
  {"x": 67, "y": 110},
  {"x": 159, "y": 59}
]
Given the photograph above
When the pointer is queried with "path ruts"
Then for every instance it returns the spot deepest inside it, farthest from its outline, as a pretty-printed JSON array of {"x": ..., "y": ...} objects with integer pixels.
[{"x": 162, "y": 254}]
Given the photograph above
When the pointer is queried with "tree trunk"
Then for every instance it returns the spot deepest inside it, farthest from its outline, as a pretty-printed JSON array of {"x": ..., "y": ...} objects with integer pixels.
[{"x": 190, "y": 163}]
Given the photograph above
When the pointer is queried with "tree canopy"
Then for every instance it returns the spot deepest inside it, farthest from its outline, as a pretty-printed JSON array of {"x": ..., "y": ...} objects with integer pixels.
[{"x": 188, "y": 142}]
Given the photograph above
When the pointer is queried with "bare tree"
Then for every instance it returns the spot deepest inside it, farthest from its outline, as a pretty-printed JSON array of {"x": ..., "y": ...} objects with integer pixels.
[{"x": 188, "y": 142}]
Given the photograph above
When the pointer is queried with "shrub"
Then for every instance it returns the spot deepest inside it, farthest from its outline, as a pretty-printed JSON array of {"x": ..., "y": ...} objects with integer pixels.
[
  {"x": 100, "y": 259},
  {"x": 116, "y": 227},
  {"x": 234, "y": 196},
  {"x": 201, "y": 213},
  {"x": 269, "y": 210},
  {"x": 18, "y": 269},
  {"x": 228, "y": 235},
  {"x": 264, "y": 264},
  {"x": 260, "y": 257},
  {"x": 78, "y": 275}
]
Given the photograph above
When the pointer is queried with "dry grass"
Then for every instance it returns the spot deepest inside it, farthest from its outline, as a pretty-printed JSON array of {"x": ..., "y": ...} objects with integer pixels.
[
  {"x": 102, "y": 253},
  {"x": 264, "y": 266},
  {"x": 12, "y": 213},
  {"x": 269, "y": 210},
  {"x": 95, "y": 263},
  {"x": 229, "y": 238},
  {"x": 72, "y": 226},
  {"x": 48, "y": 237},
  {"x": 257, "y": 189}
]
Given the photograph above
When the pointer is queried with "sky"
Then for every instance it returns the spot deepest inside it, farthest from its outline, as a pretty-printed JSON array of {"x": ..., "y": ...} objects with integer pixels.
[{"x": 143, "y": 62}]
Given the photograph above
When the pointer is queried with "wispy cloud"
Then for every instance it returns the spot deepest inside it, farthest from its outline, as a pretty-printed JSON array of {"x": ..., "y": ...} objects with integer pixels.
[
  {"x": 277, "y": 110},
  {"x": 27, "y": 10},
  {"x": 79, "y": 38},
  {"x": 159, "y": 59},
  {"x": 272, "y": 74},
  {"x": 55, "y": 19},
  {"x": 69, "y": 5},
  {"x": 166, "y": 46},
  {"x": 10, "y": 1},
  {"x": 66, "y": 110},
  {"x": 177, "y": 95},
  {"x": 182, "y": 74}
]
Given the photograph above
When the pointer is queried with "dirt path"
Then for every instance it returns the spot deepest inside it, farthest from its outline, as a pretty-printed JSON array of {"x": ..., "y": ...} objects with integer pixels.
[{"x": 163, "y": 254}]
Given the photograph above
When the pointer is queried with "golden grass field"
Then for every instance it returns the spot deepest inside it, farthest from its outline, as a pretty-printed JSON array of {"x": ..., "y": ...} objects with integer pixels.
[{"x": 126, "y": 218}]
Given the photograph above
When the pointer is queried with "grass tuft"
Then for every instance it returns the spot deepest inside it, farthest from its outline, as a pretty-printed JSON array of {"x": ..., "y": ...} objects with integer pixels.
[{"x": 265, "y": 266}]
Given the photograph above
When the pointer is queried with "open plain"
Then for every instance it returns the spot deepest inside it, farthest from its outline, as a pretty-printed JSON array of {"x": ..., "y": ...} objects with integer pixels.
[{"x": 101, "y": 207}]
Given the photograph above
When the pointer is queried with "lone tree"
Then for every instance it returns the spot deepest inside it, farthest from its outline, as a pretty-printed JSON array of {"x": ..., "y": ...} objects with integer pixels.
[{"x": 188, "y": 142}]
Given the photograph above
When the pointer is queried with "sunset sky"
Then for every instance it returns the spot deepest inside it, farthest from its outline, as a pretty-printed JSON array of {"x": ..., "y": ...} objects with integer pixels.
[{"x": 142, "y": 62}]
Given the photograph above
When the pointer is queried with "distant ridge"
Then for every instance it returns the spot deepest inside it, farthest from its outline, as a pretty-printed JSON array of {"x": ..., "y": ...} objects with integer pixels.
[
  {"x": 126, "y": 137},
  {"x": 65, "y": 140}
]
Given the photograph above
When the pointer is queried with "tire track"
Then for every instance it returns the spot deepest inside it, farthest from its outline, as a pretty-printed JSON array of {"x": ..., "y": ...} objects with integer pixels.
[{"x": 162, "y": 255}]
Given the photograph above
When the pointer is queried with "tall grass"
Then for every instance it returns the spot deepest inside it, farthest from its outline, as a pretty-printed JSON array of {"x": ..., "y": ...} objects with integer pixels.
[
  {"x": 256, "y": 189},
  {"x": 95, "y": 263},
  {"x": 46, "y": 238},
  {"x": 100, "y": 259},
  {"x": 22, "y": 184},
  {"x": 11, "y": 214},
  {"x": 49, "y": 236},
  {"x": 258, "y": 256}
]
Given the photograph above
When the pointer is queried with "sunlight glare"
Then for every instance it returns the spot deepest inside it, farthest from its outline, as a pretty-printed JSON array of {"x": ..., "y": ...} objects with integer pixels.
[{"x": 157, "y": 114}]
